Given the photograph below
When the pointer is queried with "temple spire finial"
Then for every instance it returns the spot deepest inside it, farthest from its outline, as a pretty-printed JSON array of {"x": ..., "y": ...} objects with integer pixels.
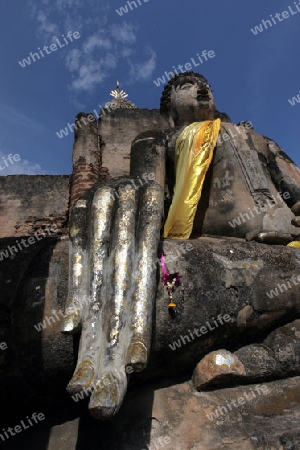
[
  {"x": 118, "y": 93},
  {"x": 119, "y": 100}
]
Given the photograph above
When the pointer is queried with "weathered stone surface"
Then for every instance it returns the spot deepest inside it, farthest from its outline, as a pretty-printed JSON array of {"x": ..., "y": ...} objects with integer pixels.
[
  {"x": 86, "y": 156},
  {"x": 223, "y": 277},
  {"x": 34, "y": 288},
  {"x": 118, "y": 129},
  {"x": 259, "y": 362},
  {"x": 296, "y": 221},
  {"x": 28, "y": 202},
  {"x": 31, "y": 202},
  {"x": 217, "y": 367},
  {"x": 177, "y": 417},
  {"x": 254, "y": 286},
  {"x": 257, "y": 416},
  {"x": 278, "y": 356},
  {"x": 285, "y": 344}
]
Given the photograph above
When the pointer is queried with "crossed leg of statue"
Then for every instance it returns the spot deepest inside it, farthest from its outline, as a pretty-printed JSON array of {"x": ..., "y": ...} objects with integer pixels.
[{"x": 119, "y": 282}]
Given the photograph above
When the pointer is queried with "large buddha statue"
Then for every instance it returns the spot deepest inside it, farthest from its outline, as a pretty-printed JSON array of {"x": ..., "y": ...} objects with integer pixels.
[{"x": 201, "y": 176}]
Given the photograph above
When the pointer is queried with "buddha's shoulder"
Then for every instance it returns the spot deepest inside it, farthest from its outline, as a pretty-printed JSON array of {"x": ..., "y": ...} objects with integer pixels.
[
  {"x": 241, "y": 129},
  {"x": 149, "y": 135},
  {"x": 158, "y": 137}
]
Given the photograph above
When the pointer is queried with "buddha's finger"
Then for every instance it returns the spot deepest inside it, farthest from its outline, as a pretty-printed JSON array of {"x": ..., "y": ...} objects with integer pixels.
[
  {"x": 78, "y": 263},
  {"x": 143, "y": 296},
  {"x": 91, "y": 345}
]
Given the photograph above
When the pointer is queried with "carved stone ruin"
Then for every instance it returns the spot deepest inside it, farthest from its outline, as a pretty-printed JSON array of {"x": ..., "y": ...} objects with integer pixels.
[{"x": 220, "y": 370}]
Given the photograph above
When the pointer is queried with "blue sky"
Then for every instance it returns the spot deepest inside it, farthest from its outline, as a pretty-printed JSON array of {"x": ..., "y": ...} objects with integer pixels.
[{"x": 252, "y": 76}]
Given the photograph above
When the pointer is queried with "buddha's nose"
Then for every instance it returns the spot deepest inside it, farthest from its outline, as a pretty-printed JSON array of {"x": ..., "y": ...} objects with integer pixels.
[{"x": 202, "y": 93}]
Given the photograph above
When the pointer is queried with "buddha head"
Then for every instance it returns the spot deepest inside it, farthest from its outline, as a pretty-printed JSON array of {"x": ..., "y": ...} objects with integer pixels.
[{"x": 187, "y": 98}]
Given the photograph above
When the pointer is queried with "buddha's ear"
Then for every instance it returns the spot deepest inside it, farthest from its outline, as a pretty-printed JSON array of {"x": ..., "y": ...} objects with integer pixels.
[{"x": 171, "y": 121}]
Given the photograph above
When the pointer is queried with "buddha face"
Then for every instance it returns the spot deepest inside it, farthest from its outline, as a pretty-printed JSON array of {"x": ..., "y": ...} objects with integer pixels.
[{"x": 191, "y": 101}]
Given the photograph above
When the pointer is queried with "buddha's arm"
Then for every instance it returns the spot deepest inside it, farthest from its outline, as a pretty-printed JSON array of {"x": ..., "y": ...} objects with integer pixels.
[
  {"x": 147, "y": 167},
  {"x": 285, "y": 175},
  {"x": 149, "y": 221},
  {"x": 148, "y": 158}
]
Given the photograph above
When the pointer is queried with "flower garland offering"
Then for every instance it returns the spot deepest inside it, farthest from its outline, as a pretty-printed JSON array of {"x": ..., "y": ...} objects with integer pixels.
[{"x": 170, "y": 280}]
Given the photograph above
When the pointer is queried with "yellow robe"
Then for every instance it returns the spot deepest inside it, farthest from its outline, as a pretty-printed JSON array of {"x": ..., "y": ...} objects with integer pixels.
[{"x": 193, "y": 155}]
